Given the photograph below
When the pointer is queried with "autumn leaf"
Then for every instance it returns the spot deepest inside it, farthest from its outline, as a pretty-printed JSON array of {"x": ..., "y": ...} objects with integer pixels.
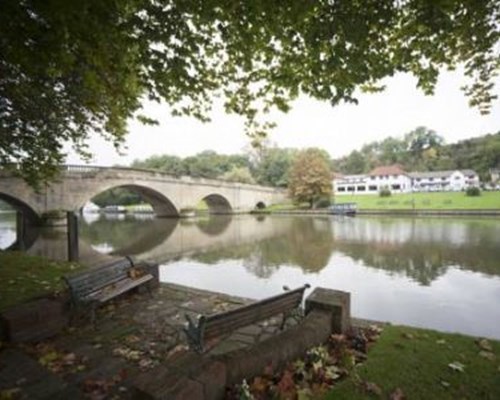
[
  {"x": 487, "y": 354},
  {"x": 397, "y": 394},
  {"x": 372, "y": 388},
  {"x": 484, "y": 345},
  {"x": 456, "y": 366}
]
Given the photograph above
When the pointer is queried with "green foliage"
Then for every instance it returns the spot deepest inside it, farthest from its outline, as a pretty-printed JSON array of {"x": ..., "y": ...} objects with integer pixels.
[
  {"x": 323, "y": 203},
  {"x": 273, "y": 165},
  {"x": 70, "y": 69},
  {"x": 172, "y": 165},
  {"x": 424, "y": 150},
  {"x": 117, "y": 196},
  {"x": 385, "y": 192},
  {"x": 310, "y": 177},
  {"x": 239, "y": 174},
  {"x": 473, "y": 191}
]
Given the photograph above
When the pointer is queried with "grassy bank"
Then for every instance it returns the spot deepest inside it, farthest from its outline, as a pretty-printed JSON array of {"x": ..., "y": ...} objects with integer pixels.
[
  {"x": 425, "y": 201},
  {"x": 23, "y": 277},
  {"x": 424, "y": 364}
]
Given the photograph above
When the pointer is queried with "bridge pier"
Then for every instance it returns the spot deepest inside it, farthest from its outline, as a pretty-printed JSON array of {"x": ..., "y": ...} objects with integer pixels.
[{"x": 54, "y": 219}]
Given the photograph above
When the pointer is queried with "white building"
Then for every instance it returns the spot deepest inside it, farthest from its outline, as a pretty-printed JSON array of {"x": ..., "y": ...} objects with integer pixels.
[
  {"x": 394, "y": 178},
  {"x": 443, "y": 181},
  {"x": 391, "y": 177}
]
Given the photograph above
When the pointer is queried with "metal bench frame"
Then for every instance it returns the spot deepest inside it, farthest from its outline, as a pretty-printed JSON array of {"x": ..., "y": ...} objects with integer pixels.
[
  {"x": 96, "y": 286},
  {"x": 210, "y": 326}
]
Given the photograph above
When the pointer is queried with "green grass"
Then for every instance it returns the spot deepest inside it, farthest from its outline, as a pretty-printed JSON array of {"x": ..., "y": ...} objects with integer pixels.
[
  {"x": 417, "y": 361},
  {"x": 24, "y": 277},
  {"x": 423, "y": 201}
]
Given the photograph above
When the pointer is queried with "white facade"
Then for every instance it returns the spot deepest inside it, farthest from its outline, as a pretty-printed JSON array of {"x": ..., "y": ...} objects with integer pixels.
[
  {"x": 444, "y": 181},
  {"x": 400, "y": 182},
  {"x": 370, "y": 184}
]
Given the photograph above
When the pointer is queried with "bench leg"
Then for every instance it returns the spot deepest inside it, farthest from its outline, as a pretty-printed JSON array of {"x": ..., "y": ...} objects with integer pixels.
[{"x": 93, "y": 316}]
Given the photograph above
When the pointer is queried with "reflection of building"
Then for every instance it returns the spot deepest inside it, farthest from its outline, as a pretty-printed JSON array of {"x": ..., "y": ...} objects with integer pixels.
[{"x": 394, "y": 178}]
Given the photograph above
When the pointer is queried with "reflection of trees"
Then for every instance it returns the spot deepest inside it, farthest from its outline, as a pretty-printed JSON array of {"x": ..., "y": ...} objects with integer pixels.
[
  {"x": 307, "y": 243},
  {"x": 214, "y": 225},
  {"x": 429, "y": 249},
  {"x": 128, "y": 236}
]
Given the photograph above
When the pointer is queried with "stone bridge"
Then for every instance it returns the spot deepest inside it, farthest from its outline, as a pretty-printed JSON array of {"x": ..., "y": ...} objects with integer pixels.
[{"x": 169, "y": 196}]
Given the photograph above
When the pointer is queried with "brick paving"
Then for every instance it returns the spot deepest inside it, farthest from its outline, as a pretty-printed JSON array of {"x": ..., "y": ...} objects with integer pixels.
[{"x": 135, "y": 333}]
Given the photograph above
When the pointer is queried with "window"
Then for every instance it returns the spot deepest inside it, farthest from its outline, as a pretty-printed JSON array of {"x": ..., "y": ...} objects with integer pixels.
[
  {"x": 350, "y": 188},
  {"x": 361, "y": 188},
  {"x": 396, "y": 187},
  {"x": 372, "y": 188},
  {"x": 372, "y": 178},
  {"x": 341, "y": 189},
  {"x": 431, "y": 179},
  {"x": 443, "y": 178}
]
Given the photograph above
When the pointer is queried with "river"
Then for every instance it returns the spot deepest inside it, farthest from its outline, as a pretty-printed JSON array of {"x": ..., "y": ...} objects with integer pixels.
[{"x": 441, "y": 273}]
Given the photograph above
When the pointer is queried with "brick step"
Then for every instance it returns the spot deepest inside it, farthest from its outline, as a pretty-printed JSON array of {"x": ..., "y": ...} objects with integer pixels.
[{"x": 30, "y": 380}]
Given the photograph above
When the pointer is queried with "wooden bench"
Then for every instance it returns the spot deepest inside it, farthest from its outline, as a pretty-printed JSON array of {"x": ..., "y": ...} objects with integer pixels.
[
  {"x": 95, "y": 286},
  {"x": 215, "y": 325}
]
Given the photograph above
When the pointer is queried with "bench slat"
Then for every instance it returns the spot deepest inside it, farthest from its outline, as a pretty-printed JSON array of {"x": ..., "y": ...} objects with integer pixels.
[
  {"x": 248, "y": 316},
  {"x": 219, "y": 324}
]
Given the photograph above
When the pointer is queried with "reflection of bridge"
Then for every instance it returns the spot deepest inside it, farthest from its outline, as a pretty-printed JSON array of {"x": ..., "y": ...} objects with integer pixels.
[
  {"x": 168, "y": 195},
  {"x": 171, "y": 239}
]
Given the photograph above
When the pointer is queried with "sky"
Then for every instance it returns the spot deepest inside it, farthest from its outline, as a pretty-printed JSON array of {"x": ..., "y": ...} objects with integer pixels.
[{"x": 339, "y": 130}]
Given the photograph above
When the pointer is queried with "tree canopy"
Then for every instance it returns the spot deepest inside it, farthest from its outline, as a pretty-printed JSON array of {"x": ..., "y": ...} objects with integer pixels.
[
  {"x": 74, "y": 68},
  {"x": 310, "y": 178}
]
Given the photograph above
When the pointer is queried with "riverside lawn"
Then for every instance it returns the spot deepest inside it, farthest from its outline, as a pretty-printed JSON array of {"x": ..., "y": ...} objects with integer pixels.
[
  {"x": 425, "y": 201},
  {"x": 424, "y": 364},
  {"x": 24, "y": 277},
  {"x": 408, "y": 201}
]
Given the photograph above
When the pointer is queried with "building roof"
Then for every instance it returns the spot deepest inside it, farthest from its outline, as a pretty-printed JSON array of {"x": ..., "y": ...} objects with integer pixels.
[
  {"x": 394, "y": 169},
  {"x": 440, "y": 174}
]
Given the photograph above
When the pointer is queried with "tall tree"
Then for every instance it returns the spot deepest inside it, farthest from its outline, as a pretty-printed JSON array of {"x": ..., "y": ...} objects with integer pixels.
[
  {"x": 273, "y": 166},
  {"x": 69, "y": 69},
  {"x": 310, "y": 177}
]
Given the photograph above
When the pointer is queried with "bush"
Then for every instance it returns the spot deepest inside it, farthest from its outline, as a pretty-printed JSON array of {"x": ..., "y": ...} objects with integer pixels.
[
  {"x": 323, "y": 203},
  {"x": 473, "y": 191},
  {"x": 384, "y": 192}
]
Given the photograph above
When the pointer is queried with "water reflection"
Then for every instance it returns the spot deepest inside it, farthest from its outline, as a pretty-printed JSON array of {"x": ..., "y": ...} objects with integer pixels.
[{"x": 434, "y": 272}]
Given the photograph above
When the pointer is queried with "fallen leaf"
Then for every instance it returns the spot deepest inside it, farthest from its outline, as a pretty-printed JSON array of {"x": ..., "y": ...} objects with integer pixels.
[
  {"x": 445, "y": 384},
  {"x": 487, "y": 354},
  {"x": 10, "y": 394},
  {"x": 373, "y": 388},
  {"x": 484, "y": 345},
  {"x": 408, "y": 336},
  {"x": 397, "y": 394},
  {"x": 456, "y": 366}
]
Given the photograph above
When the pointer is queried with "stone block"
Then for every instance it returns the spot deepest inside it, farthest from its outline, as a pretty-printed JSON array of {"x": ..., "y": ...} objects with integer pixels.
[
  {"x": 213, "y": 378},
  {"x": 163, "y": 384},
  {"x": 335, "y": 301},
  {"x": 34, "y": 321}
]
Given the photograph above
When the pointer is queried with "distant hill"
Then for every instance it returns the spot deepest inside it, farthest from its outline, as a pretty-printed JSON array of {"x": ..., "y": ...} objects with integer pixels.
[{"x": 423, "y": 150}]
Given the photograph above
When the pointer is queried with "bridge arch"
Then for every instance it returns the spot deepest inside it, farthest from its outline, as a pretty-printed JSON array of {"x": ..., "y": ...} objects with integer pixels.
[
  {"x": 162, "y": 205},
  {"x": 217, "y": 204},
  {"x": 18, "y": 204}
]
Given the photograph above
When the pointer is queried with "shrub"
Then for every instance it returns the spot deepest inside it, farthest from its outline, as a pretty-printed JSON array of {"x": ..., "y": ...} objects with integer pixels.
[
  {"x": 384, "y": 192},
  {"x": 323, "y": 203},
  {"x": 473, "y": 191}
]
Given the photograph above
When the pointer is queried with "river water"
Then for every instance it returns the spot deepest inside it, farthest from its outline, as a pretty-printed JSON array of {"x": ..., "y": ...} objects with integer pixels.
[{"x": 441, "y": 273}]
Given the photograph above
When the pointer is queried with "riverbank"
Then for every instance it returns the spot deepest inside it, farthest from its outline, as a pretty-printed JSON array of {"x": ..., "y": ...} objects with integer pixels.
[
  {"x": 425, "y": 364},
  {"x": 139, "y": 333}
]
